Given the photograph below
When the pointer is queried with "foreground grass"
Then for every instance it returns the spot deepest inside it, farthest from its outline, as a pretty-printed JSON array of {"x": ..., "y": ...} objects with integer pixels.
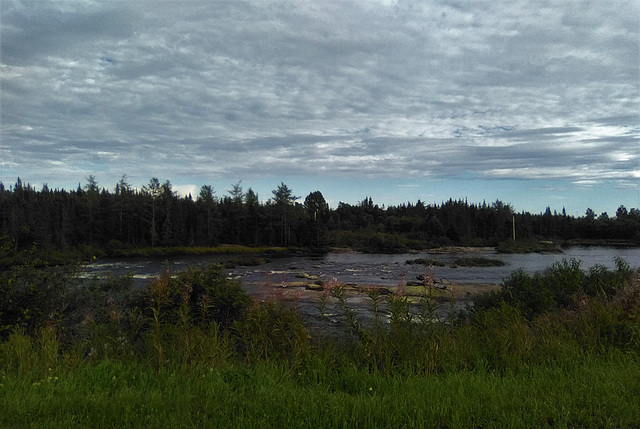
[
  {"x": 557, "y": 349},
  {"x": 597, "y": 392}
]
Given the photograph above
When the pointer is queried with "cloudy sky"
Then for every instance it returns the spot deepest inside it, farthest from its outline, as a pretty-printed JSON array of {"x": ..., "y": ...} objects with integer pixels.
[{"x": 535, "y": 103}]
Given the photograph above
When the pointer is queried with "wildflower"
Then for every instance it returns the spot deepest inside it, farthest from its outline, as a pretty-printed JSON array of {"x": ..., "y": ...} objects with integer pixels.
[
  {"x": 204, "y": 305},
  {"x": 113, "y": 378},
  {"x": 186, "y": 292},
  {"x": 296, "y": 299},
  {"x": 371, "y": 389},
  {"x": 326, "y": 289},
  {"x": 402, "y": 286}
]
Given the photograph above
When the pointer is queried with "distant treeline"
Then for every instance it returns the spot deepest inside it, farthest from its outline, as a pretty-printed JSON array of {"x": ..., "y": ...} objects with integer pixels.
[{"x": 156, "y": 216}]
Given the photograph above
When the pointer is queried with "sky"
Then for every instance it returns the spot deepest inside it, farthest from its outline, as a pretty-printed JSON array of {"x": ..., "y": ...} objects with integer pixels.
[{"x": 534, "y": 103}]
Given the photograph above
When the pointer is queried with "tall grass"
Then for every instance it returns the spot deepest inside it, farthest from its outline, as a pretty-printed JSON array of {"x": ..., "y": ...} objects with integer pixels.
[
  {"x": 223, "y": 249},
  {"x": 593, "y": 393},
  {"x": 194, "y": 349}
]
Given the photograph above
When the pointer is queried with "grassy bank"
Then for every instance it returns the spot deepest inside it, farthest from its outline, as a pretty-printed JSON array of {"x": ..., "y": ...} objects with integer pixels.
[
  {"x": 557, "y": 246},
  {"x": 590, "y": 393},
  {"x": 475, "y": 261},
  {"x": 560, "y": 348},
  {"x": 223, "y": 249},
  {"x": 529, "y": 246},
  {"x": 50, "y": 256}
]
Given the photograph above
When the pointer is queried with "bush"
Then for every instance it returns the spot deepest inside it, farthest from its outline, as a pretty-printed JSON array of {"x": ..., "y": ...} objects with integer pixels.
[
  {"x": 272, "y": 330},
  {"x": 370, "y": 241},
  {"x": 557, "y": 287},
  {"x": 174, "y": 318},
  {"x": 33, "y": 296},
  {"x": 207, "y": 293}
]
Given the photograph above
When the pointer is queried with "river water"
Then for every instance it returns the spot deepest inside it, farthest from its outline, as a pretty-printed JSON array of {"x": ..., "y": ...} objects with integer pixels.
[
  {"x": 375, "y": 269},
  {"x": 274, "y": 278}
]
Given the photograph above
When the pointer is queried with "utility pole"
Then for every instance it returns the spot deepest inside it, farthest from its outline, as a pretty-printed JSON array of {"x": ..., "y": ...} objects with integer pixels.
[{"x": 514, "y": 227}]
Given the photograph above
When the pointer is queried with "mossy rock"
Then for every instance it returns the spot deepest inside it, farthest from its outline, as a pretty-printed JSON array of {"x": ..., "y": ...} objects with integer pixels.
[
  {"x": 380, "y": 289},
  {"x": 306, "y": 276},
  {"x": 478, "y": 262},
  {"x": 428, "y": 262},
  {"x": 295, "y": 284}
]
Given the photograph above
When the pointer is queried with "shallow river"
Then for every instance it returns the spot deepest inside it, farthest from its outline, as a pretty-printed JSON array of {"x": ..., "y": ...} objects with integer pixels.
[
  {"x": 377, "y": 269},
  {"x": 359, "y": 269}
]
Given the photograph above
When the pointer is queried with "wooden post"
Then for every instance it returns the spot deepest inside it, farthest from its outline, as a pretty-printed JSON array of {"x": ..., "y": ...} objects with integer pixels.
[{"x": 514, "y": 228}]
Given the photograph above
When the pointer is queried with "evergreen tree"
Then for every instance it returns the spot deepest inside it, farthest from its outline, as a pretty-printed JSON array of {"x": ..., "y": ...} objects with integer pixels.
[
  {"x": 318, "y": 213},
  {"x": 91, "y": 192},
  {"x": 283, "y": 200},
  {"x": 207, "y": 201},
  {"x": 153, "y": 190}
]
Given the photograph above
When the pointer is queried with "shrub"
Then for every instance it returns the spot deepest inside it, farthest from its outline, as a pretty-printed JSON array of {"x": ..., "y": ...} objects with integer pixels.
[
  {"x": 33, "y": 296},
  {"x": 208, "y": 294},
  {"x": 178, "y": 318},
  {"x": 272, "y": 330},
  {"x": 557, "y": 287}
]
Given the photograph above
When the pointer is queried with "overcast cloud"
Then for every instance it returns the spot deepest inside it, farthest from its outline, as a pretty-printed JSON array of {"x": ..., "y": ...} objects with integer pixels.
[{"x": 533, "y": 102}]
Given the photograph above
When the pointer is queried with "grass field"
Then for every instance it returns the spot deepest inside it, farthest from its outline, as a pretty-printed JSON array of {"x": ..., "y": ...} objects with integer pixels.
[
  {"x": 556, "y": 349},
  {"x": 603, "y": 392}
]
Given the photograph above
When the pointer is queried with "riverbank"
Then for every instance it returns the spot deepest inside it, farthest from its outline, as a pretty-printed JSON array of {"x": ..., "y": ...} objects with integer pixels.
[
  {"x": 192, "y": 349},
  {"x": 89, "y": 254}
]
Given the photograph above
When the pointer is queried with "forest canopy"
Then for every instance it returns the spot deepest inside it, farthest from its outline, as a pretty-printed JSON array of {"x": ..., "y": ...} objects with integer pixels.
[{"x": 155, "y": 215}]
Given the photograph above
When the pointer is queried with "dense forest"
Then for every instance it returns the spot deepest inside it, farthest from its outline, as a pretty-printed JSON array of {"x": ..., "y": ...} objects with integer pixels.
[{"x": 125, "y": 218}]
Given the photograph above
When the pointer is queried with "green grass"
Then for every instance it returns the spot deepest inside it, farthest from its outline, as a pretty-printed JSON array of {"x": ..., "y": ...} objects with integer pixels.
[
  {"x": 223, "y": 249},
  {"x": 194, "y": 350},
  {"x": 528, "y": 246},
  {"x": 601, "y": 392},
  {"x": 460, "y": 262}
]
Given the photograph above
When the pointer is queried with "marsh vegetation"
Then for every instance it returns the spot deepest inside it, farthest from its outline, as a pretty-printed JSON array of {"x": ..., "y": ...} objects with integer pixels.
[{"x": 192, "y": 348}]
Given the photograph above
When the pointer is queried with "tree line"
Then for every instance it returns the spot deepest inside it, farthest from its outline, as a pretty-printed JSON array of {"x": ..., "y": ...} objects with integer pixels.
[{"x": 156, "y": 215}]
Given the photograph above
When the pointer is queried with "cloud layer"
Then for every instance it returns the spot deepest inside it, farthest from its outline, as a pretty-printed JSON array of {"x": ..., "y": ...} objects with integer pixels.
[{"x": 198, "y": 91}]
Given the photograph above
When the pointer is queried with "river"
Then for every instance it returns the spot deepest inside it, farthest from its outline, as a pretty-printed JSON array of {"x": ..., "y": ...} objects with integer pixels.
[
  {"x": 375, "y": 269},
  {"x": 276, "y": 278}
]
